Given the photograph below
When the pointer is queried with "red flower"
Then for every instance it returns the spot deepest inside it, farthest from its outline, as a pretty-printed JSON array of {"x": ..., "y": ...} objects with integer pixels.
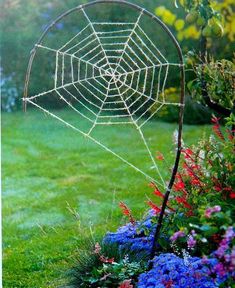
[
  {"x": 218, "y": 187},
  {"x": 189, "y": 213},
  {"x": 216, "y": 128},
  {"x": 230, "y": 134},
  {"x": 232, "y": 195},
  {"x": 195, "y": 181},
  {"x": 188, "y": 170},
  {"x": 178, "y": 176},
  {"x": 159, "y": 156},
  {"x": 154, "y": 207},
  {"x": 158, "y": 193},
  {"x": 106, "y": 260},
  {"x": 196, "y": 167},
  {"x": 168, "y": 284},
  {"x": 184, "y": 202},
  {"x": 179, "y": 186},
  {"x": 187, "y": 153},
  {"x": 126, "y": 284},
  {"x": 127, "y": 212}
]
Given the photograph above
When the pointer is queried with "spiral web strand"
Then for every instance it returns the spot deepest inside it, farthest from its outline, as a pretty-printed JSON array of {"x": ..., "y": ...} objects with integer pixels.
[{"x": 116, "y": 74}]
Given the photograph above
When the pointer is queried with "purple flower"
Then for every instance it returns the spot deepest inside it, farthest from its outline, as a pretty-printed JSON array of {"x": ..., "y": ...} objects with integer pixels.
[
  {"x": 191, "y": 242},
  {"x": 59, "y": 25},
  {"x": 229, "y": 234}
]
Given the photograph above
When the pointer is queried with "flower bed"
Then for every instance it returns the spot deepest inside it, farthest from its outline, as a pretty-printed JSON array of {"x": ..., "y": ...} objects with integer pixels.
[{"x": 197, "y": 243}]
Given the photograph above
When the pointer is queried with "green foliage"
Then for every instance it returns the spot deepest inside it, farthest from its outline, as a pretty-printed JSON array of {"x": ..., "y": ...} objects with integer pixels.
[
  {"x": 213, "y": 19},
  {"x": 220, "y": 81}
]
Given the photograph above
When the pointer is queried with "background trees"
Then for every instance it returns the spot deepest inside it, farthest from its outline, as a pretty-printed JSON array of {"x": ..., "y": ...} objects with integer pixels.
[{"x": 22, "y": 22}]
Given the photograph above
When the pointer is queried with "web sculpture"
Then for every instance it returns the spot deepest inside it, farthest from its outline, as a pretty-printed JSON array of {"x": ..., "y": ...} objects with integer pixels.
[{"x": 111, "y": 72}]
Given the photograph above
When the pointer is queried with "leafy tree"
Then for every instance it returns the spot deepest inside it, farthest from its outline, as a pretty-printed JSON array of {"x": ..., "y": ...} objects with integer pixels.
[{"x": 207, "y": 20}]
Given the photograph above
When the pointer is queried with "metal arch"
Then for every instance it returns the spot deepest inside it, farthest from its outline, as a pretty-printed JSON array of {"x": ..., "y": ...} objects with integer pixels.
[{"x": 182, "y": 94}]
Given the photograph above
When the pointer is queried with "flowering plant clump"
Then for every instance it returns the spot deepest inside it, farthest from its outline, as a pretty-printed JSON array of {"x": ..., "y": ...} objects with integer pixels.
[
  {"x": 135, "y": 237},
  {"x": 205, "y": 186},
  {"x": 104, "y": 266},
  {"x": 198, "y": 220}
]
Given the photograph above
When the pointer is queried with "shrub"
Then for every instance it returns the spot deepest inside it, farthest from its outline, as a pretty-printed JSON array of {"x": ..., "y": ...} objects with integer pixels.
[{"x": 194, "y": 113}]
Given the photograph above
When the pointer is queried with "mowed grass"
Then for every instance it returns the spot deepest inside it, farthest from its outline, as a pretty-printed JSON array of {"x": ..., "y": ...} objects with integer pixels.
[{"x": 61, "y": 191}]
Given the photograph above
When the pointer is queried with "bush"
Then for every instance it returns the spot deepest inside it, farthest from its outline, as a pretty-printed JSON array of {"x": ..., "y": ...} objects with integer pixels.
[{"x": 194, "y": 113}]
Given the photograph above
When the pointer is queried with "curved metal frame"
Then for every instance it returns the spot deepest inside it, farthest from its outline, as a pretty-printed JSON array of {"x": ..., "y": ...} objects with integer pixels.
[{"x": 182, "y": 94}]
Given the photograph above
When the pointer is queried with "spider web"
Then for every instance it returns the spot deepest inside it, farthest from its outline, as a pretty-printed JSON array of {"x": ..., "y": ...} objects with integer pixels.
[{"x": 114, "y": 75}]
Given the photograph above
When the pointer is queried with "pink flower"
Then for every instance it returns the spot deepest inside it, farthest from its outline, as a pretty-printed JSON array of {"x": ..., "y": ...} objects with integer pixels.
[
  {"x": 219, "y": 268},
  {"x": 208, "y": 213},
  {"x": 211, "y": 210},
  {"x": 176, "y": 235}
]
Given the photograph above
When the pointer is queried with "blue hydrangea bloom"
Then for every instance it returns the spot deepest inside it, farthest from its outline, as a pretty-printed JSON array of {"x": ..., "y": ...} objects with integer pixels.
[
  {"x": 131, "y": 236},
  {"x": 170, "y": 270}
]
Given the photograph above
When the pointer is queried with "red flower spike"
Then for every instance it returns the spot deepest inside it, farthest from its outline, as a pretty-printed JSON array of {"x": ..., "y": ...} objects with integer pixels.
[
  {"x": 184, "y": 202},
  {"x": 154, "y": 207},
  {"x": 216, "y": 128},
  {"x": 127, "y": 212},
  {"x": 126, "y": 284},
  {"x": 187, "y": 153},
  {"x": 195, "y": 182},
  {"x": 217, "y": 131},
  {"x": 158, "y": 193},
  {"x": 196, "y": 167},
  {"x": 178, "y": 176},
  {"x": 179, "y": 186}
]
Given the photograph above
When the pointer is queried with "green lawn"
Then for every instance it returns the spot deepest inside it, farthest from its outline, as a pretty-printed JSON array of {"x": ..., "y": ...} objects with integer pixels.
[{"x": 51, "y": 174}]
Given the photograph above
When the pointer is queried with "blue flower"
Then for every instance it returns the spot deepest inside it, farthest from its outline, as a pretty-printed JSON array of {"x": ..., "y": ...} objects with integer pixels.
[{"x": 174, "y": 270}]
